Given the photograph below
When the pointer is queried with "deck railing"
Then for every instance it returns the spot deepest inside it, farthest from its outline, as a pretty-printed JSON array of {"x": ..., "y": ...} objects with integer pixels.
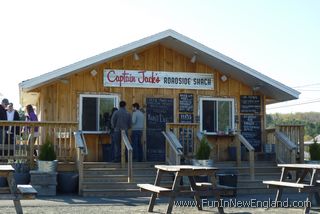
[
  {"x": 285, "y": 149},
  {"x": 125, "y": 144},
  {"x": 22, "y": 139},
  {"x": 295, "y": 134},
  {"x": 186, "y": 134},
  {"x": 288, "y": 141},
  {"x": 173, "y": 148}
]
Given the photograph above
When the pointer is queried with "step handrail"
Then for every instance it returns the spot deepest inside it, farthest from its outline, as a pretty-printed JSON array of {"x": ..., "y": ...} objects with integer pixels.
[
  {"x": 174, "y": 145},
  {"x": 242, "y": 140},
  {"x": 82, "y": 150},
  {"x": 81, "y": 142},
  {"x": 285, "y": 148},
  {"x": 125, "y": 144}
]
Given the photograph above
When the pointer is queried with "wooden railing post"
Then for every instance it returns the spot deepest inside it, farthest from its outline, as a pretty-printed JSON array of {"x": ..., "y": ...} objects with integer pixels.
[
  {"x": 238, "y": 145},
  {"x": 125, "y": 144},
  {"x": 123, "y": 151},
  {"x": 81, "y": 151},
  {"x": 251, "y": 164},
  {"x": 130, "y": 175},
  {"x": 31, "y": 151},
  {"x": 80, "y": 170},
  {"x": 167, "y": 147},
  {"x": 301, "y": 144}
]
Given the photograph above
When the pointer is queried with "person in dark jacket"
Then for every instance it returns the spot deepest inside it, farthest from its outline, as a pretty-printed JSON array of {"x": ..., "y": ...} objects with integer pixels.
[
  {"x": 121, "y": 120},
  {"x": 3, "y": 116},
  {"x": 12, "y": 115}
]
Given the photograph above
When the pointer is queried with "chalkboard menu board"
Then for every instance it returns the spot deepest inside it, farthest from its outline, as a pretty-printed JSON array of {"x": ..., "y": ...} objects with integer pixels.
[
  {"x": 186, "y": 102},
  {"x": 251, "y": 130},
  {"x": 185, "y": 118},
  {"x": 159, "y": 112},
  {"x": 186, "y": 139},
  {"x": 250, "y": 104}
]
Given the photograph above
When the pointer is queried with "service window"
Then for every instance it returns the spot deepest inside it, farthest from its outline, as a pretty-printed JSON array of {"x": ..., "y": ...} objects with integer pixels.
[
  {"x": 95, "y": 112},
  {"x": 216, "y": 115}
]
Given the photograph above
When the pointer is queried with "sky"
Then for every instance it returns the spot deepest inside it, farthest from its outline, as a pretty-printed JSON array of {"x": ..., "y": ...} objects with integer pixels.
[{"x": 277, "y": 38}]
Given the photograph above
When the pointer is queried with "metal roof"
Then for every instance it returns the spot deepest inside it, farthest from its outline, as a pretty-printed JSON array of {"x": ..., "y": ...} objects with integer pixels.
[{"x": 274, "y": 90}]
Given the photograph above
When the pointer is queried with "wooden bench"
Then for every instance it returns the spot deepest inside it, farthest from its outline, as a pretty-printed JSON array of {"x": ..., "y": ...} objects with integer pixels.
[
  {"x": 202, "y": 191},
  {"x": 153, "y": 188},
  {"x": 281, "y": 184},
  {"x": 27, "y": 191},
  {"x": 222, "y": 189}
]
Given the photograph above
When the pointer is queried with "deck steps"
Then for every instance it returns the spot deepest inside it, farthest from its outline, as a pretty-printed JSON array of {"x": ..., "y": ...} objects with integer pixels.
[{"x": 109, "y": 179}]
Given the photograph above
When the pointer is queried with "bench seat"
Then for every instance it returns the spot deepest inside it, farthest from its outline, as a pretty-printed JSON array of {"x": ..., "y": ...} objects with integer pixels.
[
  {"x": 218, "y": 186},
  {"x": 287, "y": 184},
  {"x": 27, "y": 191},
  {"x": 153, "y": 188}
]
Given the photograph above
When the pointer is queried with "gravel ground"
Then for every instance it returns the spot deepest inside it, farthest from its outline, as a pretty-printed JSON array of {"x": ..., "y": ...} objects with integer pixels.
[{"x": 92, "y": 205}]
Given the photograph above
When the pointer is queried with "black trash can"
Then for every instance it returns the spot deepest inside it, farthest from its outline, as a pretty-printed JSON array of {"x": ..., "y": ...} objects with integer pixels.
[
  {"x": 68, "y": 182},
  {"x": 229, "y": 179},
  {"x": 106, "y": 152}
]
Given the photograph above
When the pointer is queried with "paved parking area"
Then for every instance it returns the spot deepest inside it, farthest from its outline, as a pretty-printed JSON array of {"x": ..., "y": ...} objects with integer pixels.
[{"x": 74, "y": 204}]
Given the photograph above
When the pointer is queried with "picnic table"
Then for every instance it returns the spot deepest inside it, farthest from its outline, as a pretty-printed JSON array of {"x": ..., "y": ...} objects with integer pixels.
[
  {"x": 15, "y": 192},
  {"x": 196, "y": 189},
  {"x": 302, "y": 182}
]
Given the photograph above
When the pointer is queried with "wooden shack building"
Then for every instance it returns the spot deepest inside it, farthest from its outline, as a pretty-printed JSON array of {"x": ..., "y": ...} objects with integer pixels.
[{"x": 175, "y": 80}]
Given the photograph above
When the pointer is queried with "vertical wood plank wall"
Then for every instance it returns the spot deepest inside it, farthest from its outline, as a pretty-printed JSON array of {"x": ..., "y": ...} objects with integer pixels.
[{"x": 59, "y": 101}]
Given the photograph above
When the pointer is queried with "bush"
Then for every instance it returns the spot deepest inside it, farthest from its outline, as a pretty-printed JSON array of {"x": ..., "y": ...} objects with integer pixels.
[
  {"x": 204, "y": 150},
  {"x": 47, "y": 152},
  {"x": 314, "y": 150}
]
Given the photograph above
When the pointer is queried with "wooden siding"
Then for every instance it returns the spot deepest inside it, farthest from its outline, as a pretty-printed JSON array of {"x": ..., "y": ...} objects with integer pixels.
[{"x": 59, "y": 101}]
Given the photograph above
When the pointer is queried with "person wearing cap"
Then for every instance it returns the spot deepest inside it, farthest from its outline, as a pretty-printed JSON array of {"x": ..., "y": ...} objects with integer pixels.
[{"x": 137, "y": 130}]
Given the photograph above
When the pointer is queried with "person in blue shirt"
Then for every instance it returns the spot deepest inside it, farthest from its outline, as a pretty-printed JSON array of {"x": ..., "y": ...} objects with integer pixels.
[{"x": 137, "y": 131}]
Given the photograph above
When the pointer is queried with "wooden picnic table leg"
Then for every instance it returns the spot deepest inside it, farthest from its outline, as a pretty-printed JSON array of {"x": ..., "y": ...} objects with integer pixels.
[
  {"x": 175, "y": 189},
  {"x": 13, "y": 190},
  {"x": 317, "y": 197},
  {"x": 216, "y": 194},
  {"x": 278, "y": 194},
  {"x": 284, "y": 172},
  {"x": 308, "y": 203},
  {"x": 196, "y": 195},
  {"x": 154, "y": 195}
]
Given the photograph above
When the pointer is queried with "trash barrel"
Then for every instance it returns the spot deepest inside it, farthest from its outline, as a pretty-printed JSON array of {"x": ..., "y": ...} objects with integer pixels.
[
  {"x": 229, "y": 179},
  {"x": 68, "y": 182},
  {"x": 106, "y": 152}
]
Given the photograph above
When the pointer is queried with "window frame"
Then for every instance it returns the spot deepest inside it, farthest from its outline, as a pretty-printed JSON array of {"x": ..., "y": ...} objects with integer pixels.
[
  {"x": 99, "y": 96},
  {"x": 217, "y": 99}
]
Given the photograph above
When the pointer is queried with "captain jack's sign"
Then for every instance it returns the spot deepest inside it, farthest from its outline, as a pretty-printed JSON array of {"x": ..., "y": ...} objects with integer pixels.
[{"x": 157, "y": 79}]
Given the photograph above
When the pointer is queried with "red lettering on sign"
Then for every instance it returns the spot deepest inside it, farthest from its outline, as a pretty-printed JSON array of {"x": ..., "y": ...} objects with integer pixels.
[
  {"x": 122, "y": 78},
  {"x": 151, "y": 79}
]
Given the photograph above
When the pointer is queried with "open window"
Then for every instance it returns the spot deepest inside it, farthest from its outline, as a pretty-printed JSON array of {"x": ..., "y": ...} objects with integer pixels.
[
  {"x": 216, "y": 115},
  {"x": 95, "y": 111}
]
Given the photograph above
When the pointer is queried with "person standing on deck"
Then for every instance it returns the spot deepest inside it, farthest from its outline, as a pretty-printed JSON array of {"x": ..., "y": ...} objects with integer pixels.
[
  {"x": 137, "y": 130},
  {"x": 31, "y": 116},
  {"x": 3, "y": 116},
  {"x": 12, "y": 115},
  {"x": 112, "y": 135},
  {"x": 121, "y": 120}
]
